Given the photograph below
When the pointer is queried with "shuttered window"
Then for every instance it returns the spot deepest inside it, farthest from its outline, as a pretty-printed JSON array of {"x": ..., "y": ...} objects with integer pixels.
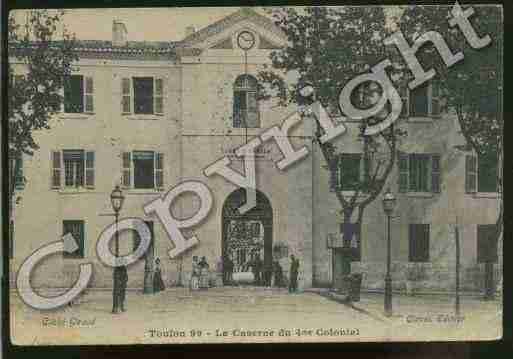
[
  {"x": 78, "y": 94},
  {"x": 419, "y": 243},
  {"x": 487, "y": 173},
  {"x": 486, "y": 243},
  {"x": 76, "y": 228},
  {"x": 418, "y": 172},
  {"x": 143, "y": 170},
  {"x": 424, "y": 100},
  {"x": 143, "y": 95},
  {"x": 470, "y": 174},
  {"x": 75, "y": 167}
]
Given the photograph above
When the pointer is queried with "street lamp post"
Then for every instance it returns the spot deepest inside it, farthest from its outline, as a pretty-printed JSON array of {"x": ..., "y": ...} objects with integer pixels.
[
  {"x": 389, "y": 202},
  {"x": 116, "y": 200}
]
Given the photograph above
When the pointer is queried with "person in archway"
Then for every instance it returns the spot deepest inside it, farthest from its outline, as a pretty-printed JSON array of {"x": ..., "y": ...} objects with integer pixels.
[
  {"x": 256, "y": 268},
  {"x": 158, "y": 283},
  {"x": 294, "y": 270},
  {"x": 195, "y": 274},
  {"x": 277, "y": 274},
  {"x": 204, "y": 273}
]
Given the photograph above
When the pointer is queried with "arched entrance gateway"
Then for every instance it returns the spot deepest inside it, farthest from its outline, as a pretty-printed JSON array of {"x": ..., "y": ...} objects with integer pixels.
[{"x": 248, "y": 236}]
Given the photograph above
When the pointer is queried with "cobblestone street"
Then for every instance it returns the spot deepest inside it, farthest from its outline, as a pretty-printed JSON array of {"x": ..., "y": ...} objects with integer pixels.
[{"x": 249, "y": 315}]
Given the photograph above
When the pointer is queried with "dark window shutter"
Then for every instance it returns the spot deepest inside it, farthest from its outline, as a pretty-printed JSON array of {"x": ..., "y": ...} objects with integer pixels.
[
  {"x": 435, "y": 173},
  {"x": 403, "y": 178},
  {"x": 470, "y": 174},
  {"x": 56, "y": 169},
  {"x": 435, "y": 98},
  {"x": 159, "y": 170},
  {"x": 89, "y": 168},
  {"x": 126, "y": 159},
  {"x": 126, "y": 103}
]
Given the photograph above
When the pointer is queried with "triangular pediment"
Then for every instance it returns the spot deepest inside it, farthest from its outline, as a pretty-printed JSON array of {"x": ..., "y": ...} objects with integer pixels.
[{"x": 220, "y": 35}]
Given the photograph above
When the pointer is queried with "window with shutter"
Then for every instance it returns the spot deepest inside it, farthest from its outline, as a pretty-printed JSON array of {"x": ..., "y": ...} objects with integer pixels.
[
  {"x": 89, "y": 169},
  {"x": 470, "y": 174},
  {"x": 56, "y": 169},
  {"x": 76, "y": 228},
  {"x": 144, "y": 169},
  {"x": 403, "y": 164},
  {"x": 435, "y": 173},
  {"x": 127, "y": 169},
  {"x": 419, "y": 172},
  {"x": 88, "y": 96},
  {"x": 125, "y": 95},
  {"x": 486, "y": 243},
  {"x": 159, "y": 171},
  {"x": 159, "y": 96},
  {"x": 418, "y": 242},
  {"x": 419, "y": 101},
  {"x": 74, "y": 169}
]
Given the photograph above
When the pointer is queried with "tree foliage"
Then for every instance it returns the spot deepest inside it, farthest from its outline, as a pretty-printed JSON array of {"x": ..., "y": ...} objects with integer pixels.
[{"x": 327, "y": 47}]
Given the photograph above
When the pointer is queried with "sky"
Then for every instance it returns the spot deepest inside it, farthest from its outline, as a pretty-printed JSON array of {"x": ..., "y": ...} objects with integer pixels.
[{"x": 143, "y": 24}]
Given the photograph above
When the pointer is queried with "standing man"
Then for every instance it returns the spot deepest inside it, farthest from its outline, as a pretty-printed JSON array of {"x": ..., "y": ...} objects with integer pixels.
[
  {"x": 121, "y": 279},
  {"x": 228, "y": 270},
  {"x": 294, "y": 269}
]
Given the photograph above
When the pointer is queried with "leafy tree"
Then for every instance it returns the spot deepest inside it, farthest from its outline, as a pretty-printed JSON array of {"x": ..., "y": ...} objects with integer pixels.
[
  {"x": 34, "y": 92},
  {"x": 327, "y": 47},
  {"x": 473, "y": 87}
]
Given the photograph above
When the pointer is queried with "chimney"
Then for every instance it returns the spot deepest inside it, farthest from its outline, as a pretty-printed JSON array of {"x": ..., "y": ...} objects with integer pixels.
[
  {"x": 189, "y": 30},
  {"x": 119, "y": 33}
]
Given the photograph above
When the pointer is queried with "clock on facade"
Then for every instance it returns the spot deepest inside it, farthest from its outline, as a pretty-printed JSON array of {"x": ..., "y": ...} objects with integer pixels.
[{"x": 246, "y": 40}]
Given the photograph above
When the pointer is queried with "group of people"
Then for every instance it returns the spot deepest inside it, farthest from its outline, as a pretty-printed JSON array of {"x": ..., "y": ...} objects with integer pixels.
[
  {"x": 264, "y": 276},
  {"x": 200, "y": 277}
]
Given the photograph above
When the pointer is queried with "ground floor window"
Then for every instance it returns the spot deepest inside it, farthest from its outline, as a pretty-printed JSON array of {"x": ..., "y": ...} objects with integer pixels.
[
  {"x": 419, "y": 243},
  {"x": 486, "y": 243}
]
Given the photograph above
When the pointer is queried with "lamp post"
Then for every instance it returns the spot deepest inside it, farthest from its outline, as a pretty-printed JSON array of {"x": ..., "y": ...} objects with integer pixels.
[
  {"x": 116, "y": 200},
  {"x": 389, "y": 202}
]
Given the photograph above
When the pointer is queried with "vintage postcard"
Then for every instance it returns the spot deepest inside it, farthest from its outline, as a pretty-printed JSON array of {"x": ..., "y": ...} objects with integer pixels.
[{"x": 255, "y": 175}]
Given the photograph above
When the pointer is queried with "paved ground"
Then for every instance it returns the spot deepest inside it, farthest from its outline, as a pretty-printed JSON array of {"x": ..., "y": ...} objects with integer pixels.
[{"x": 264, "y": 315}]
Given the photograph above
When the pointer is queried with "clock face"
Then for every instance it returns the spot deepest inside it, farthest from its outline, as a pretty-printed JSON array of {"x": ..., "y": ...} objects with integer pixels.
[{"x": 246, "y": 40}]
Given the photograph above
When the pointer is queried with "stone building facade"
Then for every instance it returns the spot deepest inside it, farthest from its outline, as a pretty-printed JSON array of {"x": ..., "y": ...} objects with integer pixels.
[{"x": 149, "y": 115}]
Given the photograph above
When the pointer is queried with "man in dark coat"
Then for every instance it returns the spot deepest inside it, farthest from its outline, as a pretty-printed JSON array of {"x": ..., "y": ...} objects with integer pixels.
[
  {"x": 120, "y": 281},
  {"x": 294, "y": 269},
  {"x": 228, "y": 270}
]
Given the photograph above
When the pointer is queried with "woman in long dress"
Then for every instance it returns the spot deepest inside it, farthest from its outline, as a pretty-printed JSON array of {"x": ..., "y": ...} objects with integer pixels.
[
  {"x": 204, "y": 273},
  {"x": 195, "y": 273},
  {"x": 158, "y": 283}
]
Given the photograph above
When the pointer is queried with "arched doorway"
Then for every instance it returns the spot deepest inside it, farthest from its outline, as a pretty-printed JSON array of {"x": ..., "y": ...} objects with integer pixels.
[{"x": 249, "y": 235}]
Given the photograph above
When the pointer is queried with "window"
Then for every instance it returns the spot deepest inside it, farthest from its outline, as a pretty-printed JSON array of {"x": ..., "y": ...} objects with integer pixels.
[
  {"x": 147, "y": 94},
  {"x": 76, "y": 228},
  {"x": 419, "y": 172},
  {"x": 143, "y": 170},
  {"x": 16, "y": 171},
  {"x": 481, "y": 173},
  {"x": 486, "y": 243},
  {"x": 78, "y": 94},
  {"x": 78, "y": 168},
  {"x": 419, "y": 243},
  {"x": 349, "y": 171},
  {"x": 137, "y": 239},
  {"x": 422, "y": 101},
  {"x": 245, "y": 103}
]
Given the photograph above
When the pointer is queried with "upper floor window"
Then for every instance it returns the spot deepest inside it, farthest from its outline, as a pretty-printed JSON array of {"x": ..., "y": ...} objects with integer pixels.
[
  {"x": 422, "y": 101},
  {"x": 481, "y": 173},
  {"x": 419, "y": 172},
  {"x": 73, "y": 168},
  {"x": 78, "y": 94},
  {"x": 245, "y": 103},
  {"x": 142, "y": 95},
  {"x": 143, "y": 170}
]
